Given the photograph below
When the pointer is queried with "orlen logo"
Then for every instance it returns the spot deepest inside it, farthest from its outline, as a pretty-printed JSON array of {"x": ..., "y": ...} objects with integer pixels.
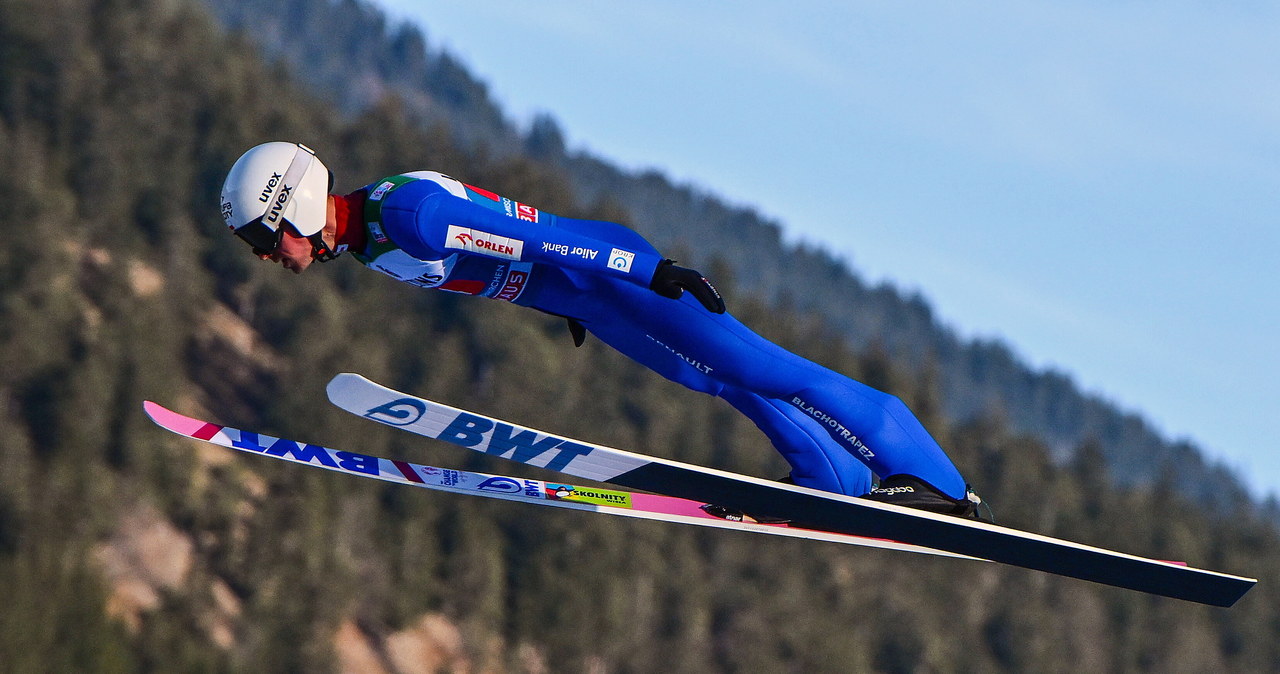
[{"x": 476, "y": 241}]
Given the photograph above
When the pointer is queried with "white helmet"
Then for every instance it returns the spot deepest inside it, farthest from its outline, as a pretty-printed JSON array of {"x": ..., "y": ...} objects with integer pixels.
[{"x": 274, "y": 184}]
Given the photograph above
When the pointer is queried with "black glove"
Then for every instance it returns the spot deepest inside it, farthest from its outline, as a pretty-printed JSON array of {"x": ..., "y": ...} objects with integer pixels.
[
  {"x": 577, "y": 331},
  {"x": 671, "y": 281}
]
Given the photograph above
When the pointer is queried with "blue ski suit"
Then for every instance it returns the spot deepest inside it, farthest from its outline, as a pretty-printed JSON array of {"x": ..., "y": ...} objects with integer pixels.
[{"x": 433, "y": 231}]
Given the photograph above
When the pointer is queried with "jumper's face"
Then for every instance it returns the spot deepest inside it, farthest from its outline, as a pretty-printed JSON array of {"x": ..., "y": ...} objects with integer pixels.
[{"x": 294, "y": 252}]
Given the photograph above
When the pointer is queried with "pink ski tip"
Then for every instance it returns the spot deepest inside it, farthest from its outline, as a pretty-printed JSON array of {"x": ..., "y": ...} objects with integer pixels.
[{"x": 178, "y": 423}]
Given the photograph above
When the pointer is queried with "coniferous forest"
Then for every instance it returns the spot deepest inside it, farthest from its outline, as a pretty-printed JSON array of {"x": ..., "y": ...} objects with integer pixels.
[{"x": 125, "y": 548}]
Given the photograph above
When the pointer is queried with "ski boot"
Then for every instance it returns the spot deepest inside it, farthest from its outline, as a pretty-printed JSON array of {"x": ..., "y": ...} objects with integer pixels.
[{"x": 912, "y": 492}]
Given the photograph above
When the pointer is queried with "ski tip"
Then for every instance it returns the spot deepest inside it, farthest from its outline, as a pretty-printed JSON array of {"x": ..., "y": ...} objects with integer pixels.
[
  {"x": 153, "y": 409},
  {"x": 340, "y": 381},
  {"x": 163, "y": 416},
  {"x": 178, "y": 423}
]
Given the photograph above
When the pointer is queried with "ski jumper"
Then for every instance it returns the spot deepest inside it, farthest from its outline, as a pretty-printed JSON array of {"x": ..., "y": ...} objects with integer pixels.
[{"x": 430, "y": 230}]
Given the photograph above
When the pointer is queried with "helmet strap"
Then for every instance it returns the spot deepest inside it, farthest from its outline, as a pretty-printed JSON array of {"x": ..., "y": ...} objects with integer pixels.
[{"x": 321, "y": 250}]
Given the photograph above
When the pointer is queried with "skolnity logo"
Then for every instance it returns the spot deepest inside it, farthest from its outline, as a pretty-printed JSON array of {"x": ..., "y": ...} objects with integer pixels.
[
  {"x": 402, "y": 412},
  {"x": 476, "y": 241},
  {"x": 565, "y": 492}
]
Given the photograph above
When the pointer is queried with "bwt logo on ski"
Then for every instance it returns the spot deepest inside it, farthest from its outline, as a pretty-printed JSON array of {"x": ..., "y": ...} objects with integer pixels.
[
  {"x": 402, "y": 412},
  {"x": 506, "y": 485},
  {"x": 476, "y": 241},
  {"x": 500, "y": 439},
  {"x": 305, "y": 453}
]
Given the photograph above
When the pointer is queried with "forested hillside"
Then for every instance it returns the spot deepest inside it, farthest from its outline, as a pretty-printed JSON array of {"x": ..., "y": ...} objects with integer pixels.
[{"x": 124, "y": 548}]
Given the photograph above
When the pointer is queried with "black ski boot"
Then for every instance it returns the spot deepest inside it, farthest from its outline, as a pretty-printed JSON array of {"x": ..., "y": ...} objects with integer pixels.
[{"x": 912, "y": 492}]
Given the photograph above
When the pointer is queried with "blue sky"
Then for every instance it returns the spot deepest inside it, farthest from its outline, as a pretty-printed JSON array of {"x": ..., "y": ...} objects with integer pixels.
[{"x": 1095, "y": 183}]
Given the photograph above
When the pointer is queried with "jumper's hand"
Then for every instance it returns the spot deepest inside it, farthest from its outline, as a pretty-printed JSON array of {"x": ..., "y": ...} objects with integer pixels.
[{"x": 671, "y": 281}]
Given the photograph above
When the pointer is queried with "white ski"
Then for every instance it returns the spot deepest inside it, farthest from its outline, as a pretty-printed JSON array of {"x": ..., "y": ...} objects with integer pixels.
[
  {"x": 818, "y": 510},
  {"x": 504, "y": 487}
]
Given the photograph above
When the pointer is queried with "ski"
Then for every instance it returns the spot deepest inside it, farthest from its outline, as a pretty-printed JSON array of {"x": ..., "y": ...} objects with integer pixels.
[
  {"x": 503, "y": 487},
  {"x": 818, "y": 510}
]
